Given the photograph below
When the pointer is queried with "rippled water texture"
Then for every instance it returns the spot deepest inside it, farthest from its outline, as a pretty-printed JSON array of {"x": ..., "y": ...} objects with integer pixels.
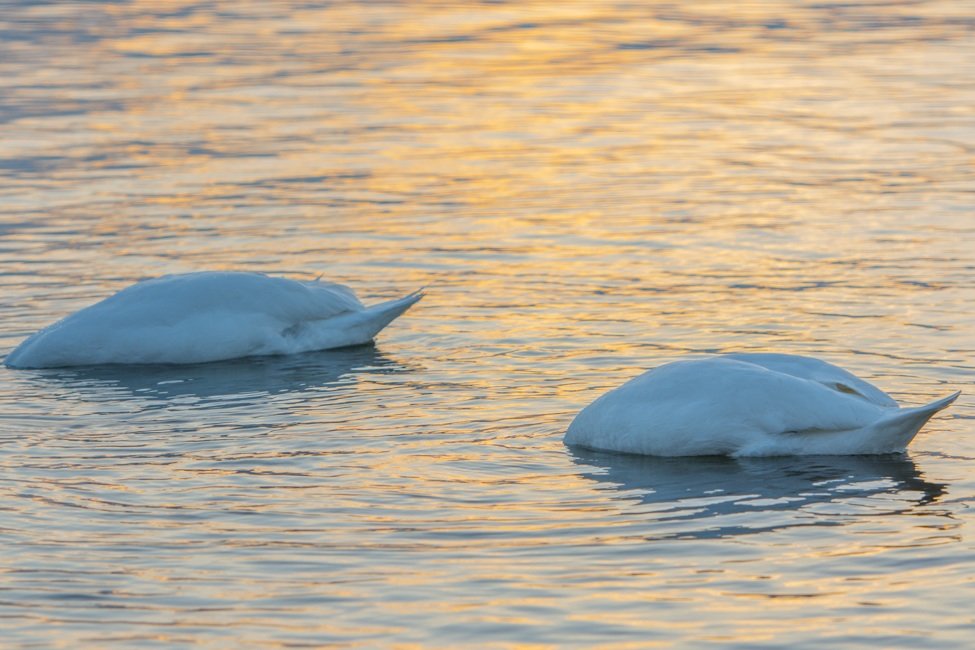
[{"x": 587, "y": 189}]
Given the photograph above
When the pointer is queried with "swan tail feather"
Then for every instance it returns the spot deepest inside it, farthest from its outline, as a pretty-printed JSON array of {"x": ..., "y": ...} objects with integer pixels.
[
  {"x": 362, "y": 326},
  {"x": 384, "y": 313},
  {"x": 905, "y": 423}
]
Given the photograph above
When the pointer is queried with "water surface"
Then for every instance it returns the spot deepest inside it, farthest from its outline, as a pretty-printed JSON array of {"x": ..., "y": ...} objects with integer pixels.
[{"x": 588, "y": 189}]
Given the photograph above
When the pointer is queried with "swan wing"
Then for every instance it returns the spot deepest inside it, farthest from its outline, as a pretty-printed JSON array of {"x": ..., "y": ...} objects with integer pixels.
[
  {"x": 205, "y": 316},
  {"x": 714, "y": 406},
  {"x": 172, "y": 298},
  {"x": 817, "y": 370}
]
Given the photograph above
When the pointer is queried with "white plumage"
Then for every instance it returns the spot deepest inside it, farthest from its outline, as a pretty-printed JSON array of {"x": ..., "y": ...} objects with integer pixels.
[
  {"x": 748, "y": 405},
  {"x": 208, "y": 316}
]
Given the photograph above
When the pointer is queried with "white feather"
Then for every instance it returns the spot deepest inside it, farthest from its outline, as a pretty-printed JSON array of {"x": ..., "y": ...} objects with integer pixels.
[
  {"x": 748, "y": 405},
  {"x": 208, "y": 316}
]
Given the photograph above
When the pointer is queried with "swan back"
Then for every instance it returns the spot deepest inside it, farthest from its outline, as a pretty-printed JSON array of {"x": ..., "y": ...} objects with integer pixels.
[
  {"x": 172, "y": 299},
  {"x": 817, "y": 370},
  {"x": 730, "y": 405},
  {"x": 207, "y": 316}
]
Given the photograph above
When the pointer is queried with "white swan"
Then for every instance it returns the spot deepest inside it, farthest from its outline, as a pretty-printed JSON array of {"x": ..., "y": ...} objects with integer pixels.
[
  {"x": 208, "y": 316},
  {"x": 748, "y": 405}
]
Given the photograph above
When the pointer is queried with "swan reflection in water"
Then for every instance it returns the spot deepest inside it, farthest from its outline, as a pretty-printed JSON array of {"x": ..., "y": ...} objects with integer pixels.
[
  {"x": 268, "y": 375},
  {"x": 711, "y": 497}
]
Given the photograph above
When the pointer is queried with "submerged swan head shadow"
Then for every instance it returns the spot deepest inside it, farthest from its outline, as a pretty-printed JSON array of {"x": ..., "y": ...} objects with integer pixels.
[
  {"x": 270, "y": 375},
  {"x": 714, "y": 496}
]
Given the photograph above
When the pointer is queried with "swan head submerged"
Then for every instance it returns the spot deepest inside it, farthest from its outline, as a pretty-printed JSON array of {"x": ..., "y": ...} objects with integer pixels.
[
  {"x": 748, "y": 405},
  {"x": 704, "y": 489},
  {"x": 208, "y": 316}
]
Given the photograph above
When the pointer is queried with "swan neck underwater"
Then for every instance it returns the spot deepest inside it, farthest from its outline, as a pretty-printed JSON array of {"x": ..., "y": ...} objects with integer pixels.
[
  {"x": 731, "y": 405},
  {"x": 749, "y": 405},
  {"x": 209, "y": 316}
]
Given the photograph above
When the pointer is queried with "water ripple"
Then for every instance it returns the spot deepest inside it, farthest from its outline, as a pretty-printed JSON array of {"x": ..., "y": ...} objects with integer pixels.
[{"x": 588, "y": 190}]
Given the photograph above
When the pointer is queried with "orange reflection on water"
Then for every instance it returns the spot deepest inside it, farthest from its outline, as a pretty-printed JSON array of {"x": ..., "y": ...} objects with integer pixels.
[{"x": 587, "y": 190}]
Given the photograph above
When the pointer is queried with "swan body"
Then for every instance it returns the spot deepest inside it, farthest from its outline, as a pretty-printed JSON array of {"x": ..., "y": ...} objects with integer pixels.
[
  {"x": 208, "y": 316},
  {"x": 748, "y": 405}
]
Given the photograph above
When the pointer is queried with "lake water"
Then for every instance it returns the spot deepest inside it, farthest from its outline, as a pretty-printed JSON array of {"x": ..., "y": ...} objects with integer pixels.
[{"x": 587, "y": 189}]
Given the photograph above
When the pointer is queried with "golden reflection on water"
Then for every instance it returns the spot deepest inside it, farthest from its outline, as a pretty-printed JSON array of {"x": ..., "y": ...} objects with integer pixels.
[{"x": 587, "y": 189}]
